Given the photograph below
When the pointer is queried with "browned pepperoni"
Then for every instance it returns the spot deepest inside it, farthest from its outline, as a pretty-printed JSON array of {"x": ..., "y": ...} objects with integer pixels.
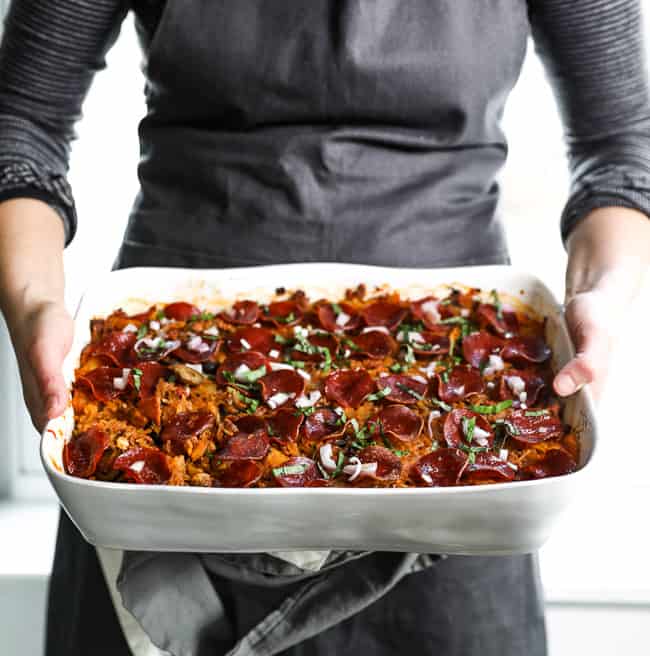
[
  {"x": 322, "y": 423},
  {"x": 477, "y": 347},
  {"x": 389, "y": 466},
  {"x": 348, "y": 387},
  {"x": 296, "y": 472},
  {"x": 196, "y": 357},
  {"x": 100, "y": 382},
  {"x": 533, "y": 382},
  {"x": 435, "y": 342},
  {"x": 507, "y": 323},
  {"x": 527, "y": 427},
  {"x": 243, "y": 313},
  {"x": 453, "y": 429},
  {"x": 403, "y": 388},
  {"x": 250, "y": 423},
  {"x": 488, "y": 467},
  {"x": 251, "y": 359},
  {"x": 84, "y": 451},
  {"x": 181, "y": 311},
  {"x": 438, "y": 469},
  {"x": 283, "y": 381},
  {"x": 327, "y": 317},
  {"x": 115, "y": 348},
  {"x": 284, "y": 313},
  {"x": 399, "y": 422},
  {"x": 555, "y": 462},
  {"x": 373, "y": 344},
  {"x": 261, "y": 340},
  {"x": 185, "y": 426},
  {"x": 524, "y": 350},
  {"x": 144, "y": 466},
  {"x": 241, "y": 473},
  {"x": 149, "y": 402},
  {"x": 243, "y": 446},
  {"x": 429, "y": 317},
  {"x": 463, "y": 381},
  {"x": 322, "y": 341},
  {"x": 284, "y": 425},
  {"x": 384, "y": 313}
]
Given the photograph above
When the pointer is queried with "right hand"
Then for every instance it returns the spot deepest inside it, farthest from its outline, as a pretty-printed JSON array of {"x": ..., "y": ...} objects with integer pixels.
[{"x": 42, "y": 337}]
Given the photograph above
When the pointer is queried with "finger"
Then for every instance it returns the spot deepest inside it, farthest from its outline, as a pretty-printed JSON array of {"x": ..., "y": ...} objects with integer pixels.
[{"x": 46, "y": 360}]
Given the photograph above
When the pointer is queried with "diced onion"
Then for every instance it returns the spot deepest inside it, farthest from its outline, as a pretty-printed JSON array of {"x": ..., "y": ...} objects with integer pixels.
[
  {"x": 278, "y": 366},
  {"x": 196, "y": 367},
  {"x": 427, "y": 477},
  {"x": 240, "y": 373},
  {"x": 245, "y": 344},
  {"x": 326, "y": 457},
  {"x": 464, "y": 312},
  {"x": 195, "y": 343},
  {"x": 516, "y": 384},
  {"x": 213, "y": 331},
  {"x": 339, "y": 410},
  {"x": 152, "y": 343},
  {"x": 433, "y": 415},
  {"x": 357, "y": 469},
  {"x": 479, "y": 432},
  {"x": 274, "y": 353},
  {"x": 416, "y": 338},
  {"x": 503, "y": 454},
  {"x": 278, "y": 399},
  {"x": 430, "y": 309},
  {"x": 420, "y": 379},
  {"x": 137, "y": 466},
  {"x": 495, "y": 363},
  {"x": 342, "y": 319},
  {"x": 154, "y": 325},
  {"x": 376, "y": 329},
  {"x": 130, "y": 328},
  {"x": 308, "y": 401},
  {"x": 430, "y": 369},
  {"x": 121, "y": 383},
  {"x": 300, "y": 332},
  {"x": 304, "y": 374}
]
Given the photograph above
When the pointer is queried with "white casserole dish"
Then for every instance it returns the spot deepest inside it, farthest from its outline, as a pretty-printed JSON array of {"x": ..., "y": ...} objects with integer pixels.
[{"x": 503, "y": 518}]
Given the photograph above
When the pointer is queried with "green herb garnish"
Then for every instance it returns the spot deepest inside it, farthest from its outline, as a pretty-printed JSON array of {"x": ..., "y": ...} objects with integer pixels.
[
  {"x": 398, "y": 368},
  {"x": 137, "y": 378},
  {"x": 290, "y": 470},
  {"x": 160, "y": 315},
  {"x": 280, "y": 339},
  {"x": 497, "y": 303},
  {"x": 536, "y": 413},
  {"x": 491, "y": 409},
  {"x": 377, "y": 396},
  {"x": 441, "y": 404},
  {"x": 142, "y": 330},
  {"x": 408, "y": 390},
  {"x": 337, "y": 309},
  {"x": 255, "y": 374},
  {"x": 339, "y": 465},
  {"x": 469, "y": 424}
]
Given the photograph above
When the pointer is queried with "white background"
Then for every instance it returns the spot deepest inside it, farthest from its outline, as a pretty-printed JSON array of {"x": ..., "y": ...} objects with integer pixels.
[{"x": 598, "y": 553}]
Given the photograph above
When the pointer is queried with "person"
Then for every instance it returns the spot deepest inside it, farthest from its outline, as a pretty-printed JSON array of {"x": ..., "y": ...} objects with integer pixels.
[{"x": 315, "y": 131}]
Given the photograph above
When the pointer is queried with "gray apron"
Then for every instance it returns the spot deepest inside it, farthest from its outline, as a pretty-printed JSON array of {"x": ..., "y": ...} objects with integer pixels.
[{"x": 361, "y": 131}]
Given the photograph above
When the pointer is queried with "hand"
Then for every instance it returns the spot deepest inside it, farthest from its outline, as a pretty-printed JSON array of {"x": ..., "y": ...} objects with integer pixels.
[
  {"x": 609, "y": 252},
  {"x": 42, "y": 336}
]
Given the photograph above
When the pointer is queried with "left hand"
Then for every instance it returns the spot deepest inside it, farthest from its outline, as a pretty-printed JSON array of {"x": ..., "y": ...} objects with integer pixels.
[{"x": 609, "y": 252}]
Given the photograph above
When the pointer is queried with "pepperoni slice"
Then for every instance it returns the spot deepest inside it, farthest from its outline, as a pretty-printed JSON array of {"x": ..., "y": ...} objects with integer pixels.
[
  {"x": 399, "y": 422},
  {"x": 114, "y": 348},
  {"x": 241, "y": 473},
  {"x": 244, "y": 313},
  {"x": 524, "y": 350},
  {"x": 144, "y": 466},
  {"x": 149, "y": 402},
  {"x": 284, "y": 313},
  {"x": 284, "y": 425},
  {"x": 463, "y": 381},
  {"x": 83, "y": 452},
  {"x": 374, "y": 344},
  {"x": 195, "y": 356},
  {"x": 455, "y": 435},
  {"x": 487, "y": 467},
  {"x": 100, "y": 382},
  {"x": 250, "y": 423},
  {"x": 506, "y": 324},
  {"x": 403, "y": 389},
  {"x": 181, "y": 311},
  {"x": 328, "y": 317},
  {"x": 384, "y": 313},
  {"x": 261, "y": 340},
  {"x": 296, "y": 472},
  {"x": 186, "y": 426},
  {"x": 533, "y": 384},
  {"x": 243, "y": 446},
  {"x": 348, "y": 387},
  {"x": 432, "y": 342},
  {"x": 322, "y": 341},
  {"x": 323, "y": 423},
  {"x": 554, "y": 462},
  {"x": 478, "y": 346},
  {"x": 389, "y": 466},
  {"x": 527, "y": 427},
  {"x": 231, "y": 364},
  {"x": 438, "y": 469},
  {"x": 426, "y": 310},
  {"x": 282, "y": 382}
]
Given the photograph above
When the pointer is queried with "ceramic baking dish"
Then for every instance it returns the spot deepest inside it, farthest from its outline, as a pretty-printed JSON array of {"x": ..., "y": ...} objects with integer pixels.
[{"x": 495, "y": 519}]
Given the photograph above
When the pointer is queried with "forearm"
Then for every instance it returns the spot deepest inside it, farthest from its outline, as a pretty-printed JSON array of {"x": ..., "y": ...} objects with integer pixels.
[{"x": 31, "y": 257}]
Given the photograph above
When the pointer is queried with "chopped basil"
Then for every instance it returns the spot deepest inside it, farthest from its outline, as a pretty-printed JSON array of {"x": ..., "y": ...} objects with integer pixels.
[
  {"x": 280, "y": 339},
  {"x": 287, "y": 319},
  {"x": 398, "y": 368},
  {"x": 471, "y": 452},
  {"x": 290, "y": 470},
  {"x": 296, "y": 364},
  {"x": 536, "y": 413},
  {"x": 142, "y": 330},
  {"x": 160, "y": 315},
  {"x": 377, "y": 396},
  {"x": 270, "y": 431},
  {"x": 511, "y": 428},
  {"x": 137, "y": 378},
  {"x": 251, "y": 405},
  {"x": 255, "y": 374},
  {"x": 337, "y": 309},
  {"x": 339, "y": 465},
  {"x": 459, "y": 320},
  {"x": 228, "y": 375},
  {"x": 305, "y": 411},
  {"x": 409, "y": 356},
  {"x": 210, "y": 338},
  {"x": 171, "y": 379},
  {"x": 491, "y": 409},
  {"x": 442, "y": 405},
  {"x": 408, "y": 390},
  {"x": 469, "y": 424},
  {"x": 497, "y": 303},
  {"x": 203, "y": 316},
  {"x": 445, "y": 301},
  {"x": 399, "y": 453},
  {"x": 445, "y": 376},
  {"x": 350, "y": 344}
]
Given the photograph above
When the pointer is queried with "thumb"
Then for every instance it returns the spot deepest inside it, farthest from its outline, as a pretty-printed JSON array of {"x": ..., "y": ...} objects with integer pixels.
[{"x": 46, "y": 360}]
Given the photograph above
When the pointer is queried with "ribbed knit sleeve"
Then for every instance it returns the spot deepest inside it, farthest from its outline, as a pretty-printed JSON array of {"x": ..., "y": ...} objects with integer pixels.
[
  {"x": 594, "y": 55},
  {"x": 50, "y": 51}
]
